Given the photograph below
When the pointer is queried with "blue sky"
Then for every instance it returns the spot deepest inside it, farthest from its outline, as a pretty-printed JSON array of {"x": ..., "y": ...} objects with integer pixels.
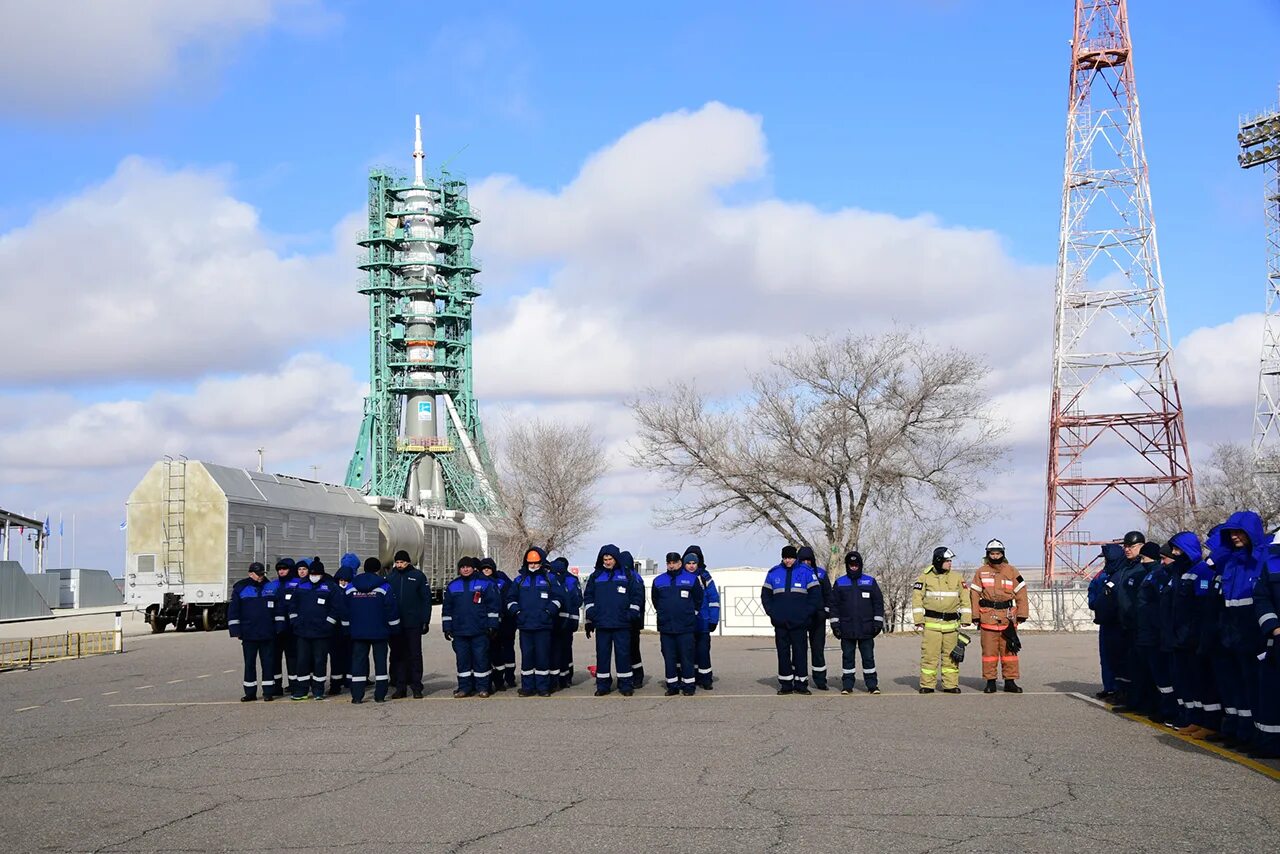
[{"x": 953, "y": 108}]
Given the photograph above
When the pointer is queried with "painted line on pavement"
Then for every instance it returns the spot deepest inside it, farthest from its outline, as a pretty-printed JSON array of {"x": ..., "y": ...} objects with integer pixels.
[
  {"x": 140, "y": 687},
  {"x": 229, "y": 671},
  {"x": 109, "y": 693},
  {"x": 1251, "y": 764},
  {"x": 27, "y": 708},
  {"x": 73, "y": 700},
  {"x": 203, "y": 676},
  {"x": 140, "y": 705},
  {"x": 1099, "y": 703},
  {"x": 175, "y": 681}
]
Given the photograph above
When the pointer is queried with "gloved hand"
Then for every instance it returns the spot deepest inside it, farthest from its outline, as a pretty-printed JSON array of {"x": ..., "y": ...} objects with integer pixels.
[
  {"x": 835, "y": 631},
  {"x": 589, "y": 630},
  {"x": 492, "y": 633},
  {"x": 876, "y": 631},
  {"x": 426, "y": 627},
  {"x": 447, "y": 637},
  {"x": 711, "y": 629}
]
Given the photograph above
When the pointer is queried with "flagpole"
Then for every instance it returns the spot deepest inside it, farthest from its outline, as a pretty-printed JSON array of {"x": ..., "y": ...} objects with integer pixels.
[
  {"x": 61, "y": 562},
  {"x": 73, "y": 539}
]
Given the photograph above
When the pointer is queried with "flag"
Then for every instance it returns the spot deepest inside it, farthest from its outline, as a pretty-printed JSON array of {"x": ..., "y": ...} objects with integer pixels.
[
  {"x": 61, "y": 527},
  {"x": 124, "y": 524},
  {"x": 46, "y": 526}
]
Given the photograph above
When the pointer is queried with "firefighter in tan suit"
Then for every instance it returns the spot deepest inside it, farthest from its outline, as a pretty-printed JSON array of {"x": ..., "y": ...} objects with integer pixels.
[
  {"x": 939, "y": 607},
  {"x": 998, "y": 596}
]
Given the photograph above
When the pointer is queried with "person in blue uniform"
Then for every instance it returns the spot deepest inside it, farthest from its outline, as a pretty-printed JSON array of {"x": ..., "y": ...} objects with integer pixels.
[
  {"x": 502, "y": 651},
  {"x": 251, "y": 617},
  {"x": 535, "y": 599},
  {"x": 857, "y": 616},
  {"x": 1130, "y": 665},
  {"x": 1266, "y": 607},
  {"x": 1161, "y": 707},
  {"x": 1191, "y": 579},
  {"x": 818, "y": 628},
  {"x": 791, "y": 596},
  {"x": 469, "y": 619},
  {"x": 1243, "y": 553},
  {"x": 282, "y": 656},
  {"x": 566, "y": 625},
  {"x": 637, "y": 621},
  {"x": 340, "y": 652},
  {"x": 317, "y": 608},
  {"x": 372, "y": 617},
  {"x": 677, "y": 600},
  {"x": 613, "y": 596},
  {"x": 1106, "y": 614},
  {"x": 413, "y": 595},
  {"x": 708, "y": 620}
]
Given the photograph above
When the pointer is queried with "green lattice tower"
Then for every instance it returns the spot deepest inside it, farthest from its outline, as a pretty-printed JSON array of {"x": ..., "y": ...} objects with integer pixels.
[{"x": 383, "y": 460}]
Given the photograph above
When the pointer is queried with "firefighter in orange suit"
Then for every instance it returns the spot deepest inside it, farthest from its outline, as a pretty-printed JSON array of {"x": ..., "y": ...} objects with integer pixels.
[{"x": 998, "y": 596}]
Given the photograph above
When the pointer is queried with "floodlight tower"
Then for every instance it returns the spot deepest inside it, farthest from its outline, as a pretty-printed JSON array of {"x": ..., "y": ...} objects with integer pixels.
[
  {"x": 1116, "y": 437},
  {"x": 1259, "y": 139},
  {"x": 421, "y": 288}
]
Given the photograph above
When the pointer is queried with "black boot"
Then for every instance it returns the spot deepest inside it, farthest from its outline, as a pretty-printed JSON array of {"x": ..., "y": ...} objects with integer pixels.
[
  {"x": 991, "y": 687},
  {"x": 1010, "y": 687}
]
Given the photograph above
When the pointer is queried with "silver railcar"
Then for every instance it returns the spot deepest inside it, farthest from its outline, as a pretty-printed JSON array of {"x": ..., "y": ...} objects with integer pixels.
[{"x": 192, "y": 529}]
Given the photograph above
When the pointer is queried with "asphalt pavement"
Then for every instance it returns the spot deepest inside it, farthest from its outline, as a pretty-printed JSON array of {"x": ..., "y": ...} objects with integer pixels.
[{"x": 152, "y": 751}]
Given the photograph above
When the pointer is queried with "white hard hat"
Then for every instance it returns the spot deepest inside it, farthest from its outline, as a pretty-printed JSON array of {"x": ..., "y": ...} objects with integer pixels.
[{"x": 995, "y": 545}]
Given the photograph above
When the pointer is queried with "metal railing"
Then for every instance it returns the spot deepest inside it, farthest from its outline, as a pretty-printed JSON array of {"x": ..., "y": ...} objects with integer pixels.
[
  {"x": 28, "y": 652},
  {"x": 1059, "y": 608}
]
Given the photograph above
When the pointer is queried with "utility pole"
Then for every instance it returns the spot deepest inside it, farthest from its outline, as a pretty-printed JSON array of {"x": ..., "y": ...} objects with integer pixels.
[{"x": 260, "y": 450}]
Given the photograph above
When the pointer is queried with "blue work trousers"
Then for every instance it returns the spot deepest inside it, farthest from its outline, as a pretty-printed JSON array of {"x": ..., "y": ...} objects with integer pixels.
[
  {"x": 474, "y": 669},
  {"x": 256, "y": 651},
  {"x": 613, "y": 659},
  {"x": 535, "y": 661},
  {"x": 360, "y": 651},
  {"x": 677, "y": 655},
  {"x": 849, "y": 648}
]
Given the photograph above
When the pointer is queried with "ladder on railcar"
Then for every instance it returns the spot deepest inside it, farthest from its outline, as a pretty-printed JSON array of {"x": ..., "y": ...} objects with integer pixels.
[{"x": 175, "y": 526}]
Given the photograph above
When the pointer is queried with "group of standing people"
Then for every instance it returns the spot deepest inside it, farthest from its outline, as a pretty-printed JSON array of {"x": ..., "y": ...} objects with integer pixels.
[
  {"x": 322, "y": 626},
  {"x": 1188, "y": 632}
]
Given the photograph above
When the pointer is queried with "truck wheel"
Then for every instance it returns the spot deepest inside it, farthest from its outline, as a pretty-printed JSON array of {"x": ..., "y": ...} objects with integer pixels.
[
  {"x": 153, "y": 617},
  {"x": 206, "y": 620}
]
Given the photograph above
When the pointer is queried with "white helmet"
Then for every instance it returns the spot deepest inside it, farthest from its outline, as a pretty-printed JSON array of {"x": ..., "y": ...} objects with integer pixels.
[{"x": 995, "y": 545}]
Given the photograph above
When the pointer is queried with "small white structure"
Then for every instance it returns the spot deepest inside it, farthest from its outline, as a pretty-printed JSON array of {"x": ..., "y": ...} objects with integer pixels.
[{"x": 740, "y": 609}]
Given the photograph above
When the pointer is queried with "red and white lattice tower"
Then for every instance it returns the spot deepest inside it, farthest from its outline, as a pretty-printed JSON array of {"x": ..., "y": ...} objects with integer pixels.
[{"x": 1117, "y": 443}]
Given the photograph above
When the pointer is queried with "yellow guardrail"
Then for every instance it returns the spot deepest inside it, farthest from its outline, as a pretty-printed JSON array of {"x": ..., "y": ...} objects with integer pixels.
[{"x": 31, "y": 651}]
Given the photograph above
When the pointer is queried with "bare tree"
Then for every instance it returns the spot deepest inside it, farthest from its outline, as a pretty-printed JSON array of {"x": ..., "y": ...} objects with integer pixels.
[
  {"x": 547, "y": 477},
  {"x": 832, "y": 429},
  {"x": 1231, "y": 480},
  {"x": 896, "y": 550}
]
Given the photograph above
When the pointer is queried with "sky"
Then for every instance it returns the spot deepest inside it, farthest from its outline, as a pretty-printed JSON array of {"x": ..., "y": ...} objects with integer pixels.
[{"x": 678, "y": 191}]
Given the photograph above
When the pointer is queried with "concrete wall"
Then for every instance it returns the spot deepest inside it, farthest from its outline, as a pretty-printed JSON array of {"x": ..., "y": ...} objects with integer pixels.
[{"x": 85, "y": 588}]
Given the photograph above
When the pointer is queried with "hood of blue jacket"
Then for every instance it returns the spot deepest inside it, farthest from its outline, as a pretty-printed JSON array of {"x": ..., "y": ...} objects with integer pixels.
[
  {"x": 1251, "y": 524},
  {"x": 367, "y": 581},
  {"x": 1112, "y": 557},
  {"x": 696, "y": 549},
  {"x": 607, "y": 549},
  {"x": 627, "y": 561},
  {"x": 344, "y": 573},
  {"x": 1189, "y": 543}
]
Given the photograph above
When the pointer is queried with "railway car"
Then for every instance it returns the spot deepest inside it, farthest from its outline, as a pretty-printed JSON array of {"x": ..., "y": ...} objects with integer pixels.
[{"x": 193, "y": 528}]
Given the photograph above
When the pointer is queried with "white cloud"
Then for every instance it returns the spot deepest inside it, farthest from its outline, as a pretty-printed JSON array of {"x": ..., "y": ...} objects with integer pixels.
[
  {"x": 156, "y": 274},
  {"x": 653, "y": 275},
  {"x": 56, "y": 58},
  {"x": 1217, "y": 366}
]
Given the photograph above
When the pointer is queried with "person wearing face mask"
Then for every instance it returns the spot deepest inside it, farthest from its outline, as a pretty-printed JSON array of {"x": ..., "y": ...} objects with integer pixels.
[
  {"x": 502, "y": 651},
  {"x": 413, "y": 595},
  {"x": 677, "y": 599},
  {"x": 1153, "y": 665},
  {"x": 613, "y": 596},
  {"x": 998, "y": 597},
  {"x": 628, "y": 564},
  {"x": 708, "y": 619},
  {"x": 373, "y": 616},
  {"x": 818, "y": 628},
  {"x": 1126, "y": 589},
  {"x": 857, "y": 616},
  {"x": 282, "y": 651},
  {"x": 340, "y": 650},
  {"x": 469, "y": 618},
  {"x": 318, "y": 608},
  {"x": 791, "y": 597},
  {"x": 1266, "y": 606},
  {"x": 566, "y": 625},
  {"x": 1102, "y": 601},
  {"x": 251, "y": 617},
  {"x": 939, "y": 607},
  {"x": 1243, "y": 553},
  {"x": 535, "y": 599}
]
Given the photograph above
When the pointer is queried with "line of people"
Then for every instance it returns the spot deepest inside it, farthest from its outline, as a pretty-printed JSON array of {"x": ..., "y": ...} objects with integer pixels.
[{"x": 1188, "y": 632}]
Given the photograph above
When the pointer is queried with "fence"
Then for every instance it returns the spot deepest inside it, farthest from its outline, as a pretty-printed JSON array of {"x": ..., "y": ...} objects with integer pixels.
[
  {"x": 1060, "y": 608},
  {"x": 31, "y": 651}
]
